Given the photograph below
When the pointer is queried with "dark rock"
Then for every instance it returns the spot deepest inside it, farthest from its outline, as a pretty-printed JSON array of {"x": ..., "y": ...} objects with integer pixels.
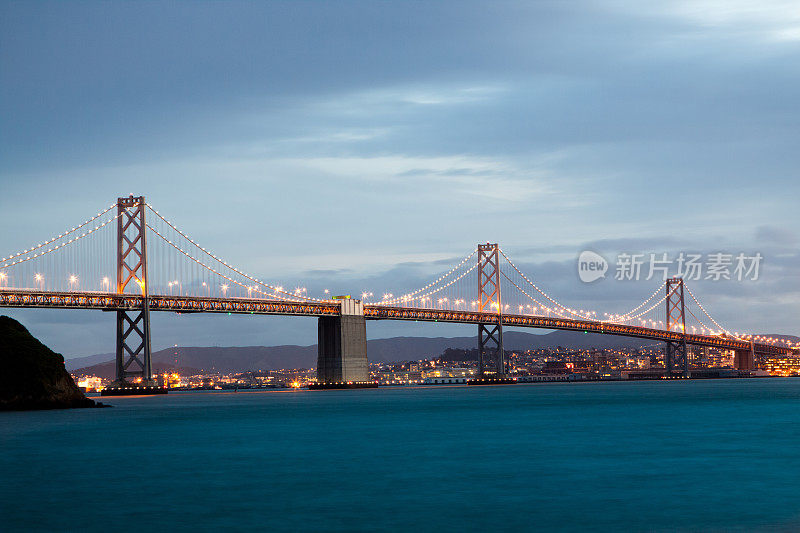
[{"x": 33, "y": 376}]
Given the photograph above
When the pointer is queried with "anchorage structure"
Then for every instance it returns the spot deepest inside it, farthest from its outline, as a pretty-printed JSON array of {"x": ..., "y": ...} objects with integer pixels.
[
  {"x": 491, "y": 357},
  {"x": 133, "y": 326},
  {"x": 677, "y": 356},
  {"x": 342, "y": 348}
]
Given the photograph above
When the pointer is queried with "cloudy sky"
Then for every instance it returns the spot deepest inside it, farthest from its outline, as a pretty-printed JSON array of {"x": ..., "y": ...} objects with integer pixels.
[{"x": 364, "y": 145}]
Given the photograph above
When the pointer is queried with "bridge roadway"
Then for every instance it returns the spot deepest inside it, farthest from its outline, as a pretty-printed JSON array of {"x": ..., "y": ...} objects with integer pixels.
[{"x": 192, "y": 304}]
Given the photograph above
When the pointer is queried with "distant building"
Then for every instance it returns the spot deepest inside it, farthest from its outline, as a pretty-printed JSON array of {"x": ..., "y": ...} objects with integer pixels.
[
  {"x": 444, "y": 380},
  {"x": 786, "y": 365},
  {"x": 90, "y": 384}
]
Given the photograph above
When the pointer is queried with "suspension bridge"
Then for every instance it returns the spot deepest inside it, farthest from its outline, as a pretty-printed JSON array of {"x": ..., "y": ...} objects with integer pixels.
[{"x": 131, "y": 260}]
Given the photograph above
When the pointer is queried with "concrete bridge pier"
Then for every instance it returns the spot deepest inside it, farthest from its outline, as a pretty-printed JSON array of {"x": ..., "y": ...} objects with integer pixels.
[
  {"x": 744, "y": 360},
  {"x": 342, "y": 349}
]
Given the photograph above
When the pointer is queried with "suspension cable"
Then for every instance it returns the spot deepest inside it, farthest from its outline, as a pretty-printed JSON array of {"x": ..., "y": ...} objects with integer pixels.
[
  {"x": 413, "y": 295},
  {"x": 568, "y": 310},
  {"x": 703, "y": 324},
  {"x": 54, "y": 239},
  {"x": 423, "y": 296},
  {"x": 292, "y": 297},
  {"x": 58, "y": 247},
  {"x": 534, "y": 300},
  {"x": 629, "y": 313},
  {"x": 703, "y": 309},
  {"x": 251, "y": 278},
  {"x": 540, "y": 291},
  {"x": 634, "y": 317}
]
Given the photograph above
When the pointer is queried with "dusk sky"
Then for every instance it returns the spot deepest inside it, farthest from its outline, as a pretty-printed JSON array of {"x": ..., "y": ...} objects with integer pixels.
[{"x": 370, "y": 145}]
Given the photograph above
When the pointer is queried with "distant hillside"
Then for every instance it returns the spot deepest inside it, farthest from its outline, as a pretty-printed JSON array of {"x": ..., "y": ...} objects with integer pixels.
[
  {"x": 780, "y": 335},
  {"x": 218, "y": 359},
  {"x": 80, "y": 362},
  {"x": 236, "y": 359},
  {"x": 403, "y": 348},
  {"x": 240, "y": 359},
  {"x": 108, "y": 370}
]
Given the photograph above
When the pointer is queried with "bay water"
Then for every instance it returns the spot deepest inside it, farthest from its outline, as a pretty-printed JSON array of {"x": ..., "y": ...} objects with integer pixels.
[{"x": 715, "y": 455}]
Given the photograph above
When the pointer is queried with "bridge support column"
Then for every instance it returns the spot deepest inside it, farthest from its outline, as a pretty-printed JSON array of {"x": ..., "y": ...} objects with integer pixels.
[
  {"x": 745, "y": 359},
  {"x": 491, "y": 356},
  {"x": 134, "y": 368},
  {"x": 342, "y": 349},
  {"x": 676, "y": 355}
]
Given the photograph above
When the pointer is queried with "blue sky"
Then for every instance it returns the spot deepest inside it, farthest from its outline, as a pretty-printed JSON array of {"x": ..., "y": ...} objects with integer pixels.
[{"x": 365, "y": 144}]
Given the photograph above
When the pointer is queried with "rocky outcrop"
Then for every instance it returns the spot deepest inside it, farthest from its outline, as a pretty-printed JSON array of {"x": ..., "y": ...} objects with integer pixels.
[{"x": 32, "y": 376}]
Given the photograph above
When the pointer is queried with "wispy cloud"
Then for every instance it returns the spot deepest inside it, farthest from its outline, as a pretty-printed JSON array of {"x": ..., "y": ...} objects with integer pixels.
[
  {"x": 400, "y": 98},
  {"x": 775, "y": 21}
]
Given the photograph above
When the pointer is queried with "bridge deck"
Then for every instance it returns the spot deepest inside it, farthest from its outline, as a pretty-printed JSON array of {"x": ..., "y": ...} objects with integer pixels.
[
  {"x": 377, "y": 312},
  {"x": 192, "y": 304},
  {"x": 177, "y": 304}
]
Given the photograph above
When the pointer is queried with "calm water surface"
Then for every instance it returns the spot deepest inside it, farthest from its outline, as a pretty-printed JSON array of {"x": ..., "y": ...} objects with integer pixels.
[{"x": 715, "y": 455}]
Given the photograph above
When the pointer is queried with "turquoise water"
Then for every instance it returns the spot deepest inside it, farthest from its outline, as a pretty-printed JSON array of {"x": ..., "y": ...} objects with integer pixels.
[{"x": 649, "y": 456}]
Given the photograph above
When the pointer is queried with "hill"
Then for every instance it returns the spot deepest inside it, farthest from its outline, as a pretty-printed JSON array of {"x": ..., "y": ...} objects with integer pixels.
[
  {"x": 238, "y": 359},
  {"x": 33, "y": 375},
  {"x": 89, "y": 360}
]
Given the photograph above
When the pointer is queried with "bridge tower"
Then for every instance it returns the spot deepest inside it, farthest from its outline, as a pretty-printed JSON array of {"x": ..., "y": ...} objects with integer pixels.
[
  {"x": 491, "y": 357},
  {"x": 133, "y": 326},
  {"x": 676, "y": 355}
]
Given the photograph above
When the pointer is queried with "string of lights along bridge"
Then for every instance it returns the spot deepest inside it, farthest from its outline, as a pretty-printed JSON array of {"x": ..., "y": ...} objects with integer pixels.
[{"x": 131, "y": 259}]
